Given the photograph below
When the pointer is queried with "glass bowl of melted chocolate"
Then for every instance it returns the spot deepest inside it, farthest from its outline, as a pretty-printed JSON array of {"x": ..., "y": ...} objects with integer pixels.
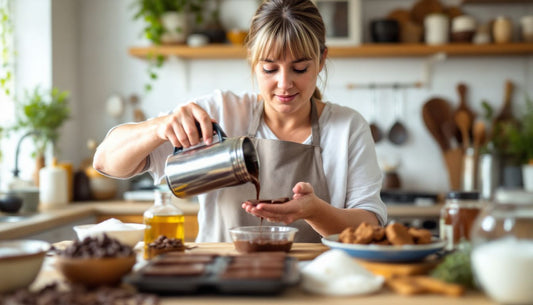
[{"x": 263, "y": 238}]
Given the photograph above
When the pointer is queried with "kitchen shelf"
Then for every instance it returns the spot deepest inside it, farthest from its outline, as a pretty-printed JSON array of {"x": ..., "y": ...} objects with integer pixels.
[
  {"x": 496, "y": 1},
  {"x": 228, "y": 51}
]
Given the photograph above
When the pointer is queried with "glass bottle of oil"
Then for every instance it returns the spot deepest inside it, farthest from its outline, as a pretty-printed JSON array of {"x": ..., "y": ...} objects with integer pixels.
[{"x": 163, "y": 218}]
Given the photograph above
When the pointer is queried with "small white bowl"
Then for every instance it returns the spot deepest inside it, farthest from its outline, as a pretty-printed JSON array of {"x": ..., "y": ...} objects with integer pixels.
[
  {"x": 20, "y": 262},
  {"x": 129, "y": 236}
]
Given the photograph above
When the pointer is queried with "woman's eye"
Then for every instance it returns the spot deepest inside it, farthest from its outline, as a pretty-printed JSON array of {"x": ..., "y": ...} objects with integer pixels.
[
  {"x": 300, "y": 71},
  {"x": 269, "y": 71}
]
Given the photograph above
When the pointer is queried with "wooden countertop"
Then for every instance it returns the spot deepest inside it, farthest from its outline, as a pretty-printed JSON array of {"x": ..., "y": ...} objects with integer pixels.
[{"x": 293, "y": 295}]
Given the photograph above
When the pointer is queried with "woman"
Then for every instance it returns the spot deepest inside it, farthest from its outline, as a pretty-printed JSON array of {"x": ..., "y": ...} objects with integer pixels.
[{"x": 318, "y": 153}]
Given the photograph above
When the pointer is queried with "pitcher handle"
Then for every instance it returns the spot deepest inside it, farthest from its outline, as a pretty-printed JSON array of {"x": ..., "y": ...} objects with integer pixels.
[{"x": 220, "y": 133}]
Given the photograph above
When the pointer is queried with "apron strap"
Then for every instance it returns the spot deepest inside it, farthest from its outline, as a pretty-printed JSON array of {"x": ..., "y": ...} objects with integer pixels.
[
  {"x": 257, "y": 115},
  {"x": 315, "y": 128}
]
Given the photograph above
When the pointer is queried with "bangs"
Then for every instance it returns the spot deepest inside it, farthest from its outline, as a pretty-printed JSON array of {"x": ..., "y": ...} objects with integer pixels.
[{"x": 277, "y": 41}]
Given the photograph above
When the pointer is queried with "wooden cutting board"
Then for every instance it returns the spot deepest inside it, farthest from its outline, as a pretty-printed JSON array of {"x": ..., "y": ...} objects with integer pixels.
[
  {"x": 389, "y": 270},
  {"x": 302, "y": 251}
]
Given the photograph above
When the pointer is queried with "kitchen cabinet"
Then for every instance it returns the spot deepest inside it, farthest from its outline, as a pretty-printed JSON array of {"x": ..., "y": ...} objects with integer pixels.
[{"x": 226, "y": 51}]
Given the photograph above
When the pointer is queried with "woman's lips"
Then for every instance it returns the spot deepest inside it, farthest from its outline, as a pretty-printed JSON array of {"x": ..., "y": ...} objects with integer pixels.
[{"x": 286, "y": 98}]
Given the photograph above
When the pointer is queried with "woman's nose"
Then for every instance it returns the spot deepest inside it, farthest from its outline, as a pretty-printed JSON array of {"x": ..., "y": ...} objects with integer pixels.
[{"x": 284, "y": 79}]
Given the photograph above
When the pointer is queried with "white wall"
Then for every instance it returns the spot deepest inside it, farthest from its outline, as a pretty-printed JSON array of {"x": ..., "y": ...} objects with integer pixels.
[{"x": 98, "y": 65}]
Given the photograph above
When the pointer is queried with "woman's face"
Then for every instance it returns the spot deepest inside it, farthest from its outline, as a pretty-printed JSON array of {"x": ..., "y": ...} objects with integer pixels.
[{"x": 288, "y": 83}]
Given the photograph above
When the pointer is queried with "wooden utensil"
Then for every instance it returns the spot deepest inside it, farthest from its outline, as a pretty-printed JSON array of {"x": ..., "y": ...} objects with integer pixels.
[
  {"x": 463, "y": 107},
  {"x": 437, "y": 116},
  {"x": 506, "y": 112},
  {"x": 433, "y": 113},
  {"x": 454, "y": 163},
  {"x": 463, "y": 121},
  {"x": 480, "y": 134}
]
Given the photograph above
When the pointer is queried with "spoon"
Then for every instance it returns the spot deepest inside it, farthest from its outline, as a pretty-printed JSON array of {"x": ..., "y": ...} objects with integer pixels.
[
  {"x": 398, "y": 132},
  {"x": 463, "y": 121},
  {"x": 377, "y": 135}
]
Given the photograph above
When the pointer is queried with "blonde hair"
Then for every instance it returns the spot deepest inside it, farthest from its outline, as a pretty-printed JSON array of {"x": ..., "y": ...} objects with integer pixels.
[{"x": 287, "y": 26}]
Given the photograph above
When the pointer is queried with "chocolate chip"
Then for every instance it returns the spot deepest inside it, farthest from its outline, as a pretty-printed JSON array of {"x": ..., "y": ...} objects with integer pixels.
[
  {"x": 52, "y": 294},
  {"x": 101, "y": 246}
]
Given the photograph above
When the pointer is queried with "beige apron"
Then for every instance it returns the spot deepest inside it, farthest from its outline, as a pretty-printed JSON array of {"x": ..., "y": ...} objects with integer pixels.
[{"x": 282, "y": 165}]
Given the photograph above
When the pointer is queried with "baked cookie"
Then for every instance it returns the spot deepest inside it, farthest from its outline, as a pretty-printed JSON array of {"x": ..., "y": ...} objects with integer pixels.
[
  {"x": 397, "y": 234},
  {"x": 420, "y": 236}
]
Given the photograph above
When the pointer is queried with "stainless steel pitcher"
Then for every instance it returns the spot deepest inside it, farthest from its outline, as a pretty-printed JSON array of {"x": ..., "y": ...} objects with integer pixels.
[{"x": 203, "y": 168}]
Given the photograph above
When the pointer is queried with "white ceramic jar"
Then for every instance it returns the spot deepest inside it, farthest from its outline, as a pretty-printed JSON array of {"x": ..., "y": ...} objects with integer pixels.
[
  {"x": 176, "y": 27},
  {"x": 526, "y": 25},
  {"x": 436, "y": 29},
  {"x": 502, "y": 30},
  {"x": 502, "y": 252}
]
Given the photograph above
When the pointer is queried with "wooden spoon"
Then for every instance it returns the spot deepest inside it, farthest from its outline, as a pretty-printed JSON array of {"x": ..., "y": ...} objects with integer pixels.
[
  {"x": 463, "y": 107},
  {"x": 463, "y": 121},
  {"x": 433, "y": 120},
  {"x": 480, "y": 134}
]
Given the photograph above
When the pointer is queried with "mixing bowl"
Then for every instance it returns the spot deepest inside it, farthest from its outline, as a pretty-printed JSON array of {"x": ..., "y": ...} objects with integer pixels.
[
  {"x": 20, "y": 262},
  {"x": 127, "y": 233},
  {"x": 94, "y": 272},
  {"x": 263, "y": 238}
]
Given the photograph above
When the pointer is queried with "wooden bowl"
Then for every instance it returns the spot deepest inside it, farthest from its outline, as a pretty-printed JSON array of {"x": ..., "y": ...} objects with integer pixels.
[{"x": 94, "y": 272}]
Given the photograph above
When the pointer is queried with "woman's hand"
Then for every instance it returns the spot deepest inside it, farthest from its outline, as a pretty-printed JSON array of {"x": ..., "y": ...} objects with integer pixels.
[
  {"x": 180, "y": 127},
  {"x": 300, "y": 207}
]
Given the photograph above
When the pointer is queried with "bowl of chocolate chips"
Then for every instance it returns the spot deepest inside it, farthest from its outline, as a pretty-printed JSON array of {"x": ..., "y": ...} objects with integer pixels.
[
  {"x": 263, "y": 238},
  {"x": 96, "y": 261}
]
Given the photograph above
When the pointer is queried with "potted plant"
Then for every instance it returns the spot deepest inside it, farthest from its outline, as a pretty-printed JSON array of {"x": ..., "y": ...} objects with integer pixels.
[
  {"x": 166, "y": 20},
  {"x": 41, "y": 114},
  {"x": 520, "y": 143}
]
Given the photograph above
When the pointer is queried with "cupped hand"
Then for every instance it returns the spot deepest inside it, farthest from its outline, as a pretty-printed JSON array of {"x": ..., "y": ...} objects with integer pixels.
[
  {"x": 300, "y": 207},
  {"x": 180, "y": 128}
]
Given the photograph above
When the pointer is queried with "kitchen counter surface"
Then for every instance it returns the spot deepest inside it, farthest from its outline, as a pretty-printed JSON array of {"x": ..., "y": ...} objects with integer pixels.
[
  {"x": 43, "y": 220},
  {"x": 33, "y": 223},
  {"x": 293, "y": 295}
]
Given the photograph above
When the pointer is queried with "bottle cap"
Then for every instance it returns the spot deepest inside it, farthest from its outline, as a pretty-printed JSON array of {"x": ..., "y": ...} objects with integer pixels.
[{"x": 462, "y": 195}]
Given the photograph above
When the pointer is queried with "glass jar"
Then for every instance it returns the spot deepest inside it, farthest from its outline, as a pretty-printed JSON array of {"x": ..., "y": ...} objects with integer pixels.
[
  {"x": 502, "y": 248},
  {"x": 457, "y": 216},
  {"x": 163, "y": 218}
]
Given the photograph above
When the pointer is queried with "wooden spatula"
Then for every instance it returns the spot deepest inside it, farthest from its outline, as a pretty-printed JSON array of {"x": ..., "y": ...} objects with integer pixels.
[
  {"x": 464, "y": 110},
  {"x": 434, "y": 114}
]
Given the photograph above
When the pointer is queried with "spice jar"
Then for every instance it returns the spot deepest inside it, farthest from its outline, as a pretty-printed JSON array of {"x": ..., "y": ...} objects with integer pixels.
[
  {"x": 163, "y": 218},
  {"x": 502, "y": 30},
  {"x": 457, "y": 216},
  {"x": 502, "y": 247}
]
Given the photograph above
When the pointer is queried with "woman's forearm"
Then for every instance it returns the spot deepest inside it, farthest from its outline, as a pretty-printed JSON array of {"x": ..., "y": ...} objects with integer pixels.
[
  {"x": 327, "y": 220},
  {"x": 124, "y": 150}
]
